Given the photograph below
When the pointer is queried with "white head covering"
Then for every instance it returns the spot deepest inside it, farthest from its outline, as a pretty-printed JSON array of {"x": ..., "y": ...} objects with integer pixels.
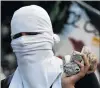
[
  {"x": 37, "y": 65},
  {"x": 31, "y": 19}
]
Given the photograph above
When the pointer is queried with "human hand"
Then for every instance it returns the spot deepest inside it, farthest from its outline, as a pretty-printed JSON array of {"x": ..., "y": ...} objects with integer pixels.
[
  {"x": 91, "y": 57},
  {"x": 69, "y": 82}
]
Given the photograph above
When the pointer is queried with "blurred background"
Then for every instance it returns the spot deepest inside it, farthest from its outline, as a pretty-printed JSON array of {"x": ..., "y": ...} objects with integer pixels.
[{"x": 77, "y": 24}]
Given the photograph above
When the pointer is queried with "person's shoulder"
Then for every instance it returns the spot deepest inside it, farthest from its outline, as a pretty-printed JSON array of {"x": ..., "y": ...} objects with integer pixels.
[{"x": 6, "y": 82}]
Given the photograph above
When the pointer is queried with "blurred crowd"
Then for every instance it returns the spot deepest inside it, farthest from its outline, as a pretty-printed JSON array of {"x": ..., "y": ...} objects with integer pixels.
[{"x": 59, "y": 12}]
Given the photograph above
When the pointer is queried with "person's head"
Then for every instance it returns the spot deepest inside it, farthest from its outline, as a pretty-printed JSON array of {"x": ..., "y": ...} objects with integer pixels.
[{"x": 33, "y": 18}]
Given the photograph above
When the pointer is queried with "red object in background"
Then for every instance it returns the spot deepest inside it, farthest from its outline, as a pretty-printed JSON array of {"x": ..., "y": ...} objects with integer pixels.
[
  {"x": 59, "y": 57},
  {"x": 77, "y": 44}
]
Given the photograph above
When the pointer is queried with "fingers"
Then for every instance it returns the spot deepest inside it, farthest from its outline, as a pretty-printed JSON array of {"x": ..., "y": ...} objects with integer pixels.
[
  {"x": 83, "y": 68},
  {"x": 94, "y": 67},
  {"x": 86, "y": 63},
  {"x": 81, "y": 73},
  {"x": 80, "y": 65}
]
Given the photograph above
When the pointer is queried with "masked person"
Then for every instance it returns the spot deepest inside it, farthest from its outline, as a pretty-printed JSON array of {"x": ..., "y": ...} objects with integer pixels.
[{"x": 32, "y": 42}]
